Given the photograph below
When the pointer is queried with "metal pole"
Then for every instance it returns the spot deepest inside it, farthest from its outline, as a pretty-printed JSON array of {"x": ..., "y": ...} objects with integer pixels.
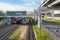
[
  {"x": 39, "y": 21},
  {"x": 9, "y": 20},
  {"x": 45, "y": 15}
]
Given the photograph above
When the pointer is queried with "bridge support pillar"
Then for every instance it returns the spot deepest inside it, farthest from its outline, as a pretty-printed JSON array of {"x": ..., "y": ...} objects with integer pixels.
[
  {"x": 39, "y": 21},
  {"x": 45, "y": 15},
  {"x": 52, "y": 16},
  {"x": 9, "y": 20},
  {"x": 35, "y": 18}
]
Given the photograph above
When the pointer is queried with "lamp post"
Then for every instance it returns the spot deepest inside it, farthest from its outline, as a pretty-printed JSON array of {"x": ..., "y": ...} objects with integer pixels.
[{"x": 39, "y": 17}]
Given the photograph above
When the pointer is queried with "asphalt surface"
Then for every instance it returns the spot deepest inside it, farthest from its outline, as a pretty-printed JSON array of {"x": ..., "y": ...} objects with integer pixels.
[{"x": 53, "y": 27}]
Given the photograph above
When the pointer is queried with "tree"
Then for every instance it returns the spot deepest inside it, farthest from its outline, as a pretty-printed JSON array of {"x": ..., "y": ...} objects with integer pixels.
[{"x": 1, "y": 13}]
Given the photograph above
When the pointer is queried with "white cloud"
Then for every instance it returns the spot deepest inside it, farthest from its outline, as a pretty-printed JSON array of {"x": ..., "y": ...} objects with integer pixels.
[
  {"x": 33, "y": 3},
  {"x": 6, "y": 6},
  {"x": 29, "y": 5}
]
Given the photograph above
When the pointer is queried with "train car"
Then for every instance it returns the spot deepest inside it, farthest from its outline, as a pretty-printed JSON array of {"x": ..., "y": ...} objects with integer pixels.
[
  {"x": 21, "y": 21},
  {"x": 14, "y": 22}
]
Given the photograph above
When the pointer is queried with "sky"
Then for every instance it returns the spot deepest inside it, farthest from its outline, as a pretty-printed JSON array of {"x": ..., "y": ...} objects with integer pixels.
[{"x": 17, "y": 5}]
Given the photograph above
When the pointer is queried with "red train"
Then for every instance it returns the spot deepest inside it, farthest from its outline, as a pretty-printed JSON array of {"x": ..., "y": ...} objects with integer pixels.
[
  {"x": 20, "y": 21},
  {"x": 14, "y": 22}
]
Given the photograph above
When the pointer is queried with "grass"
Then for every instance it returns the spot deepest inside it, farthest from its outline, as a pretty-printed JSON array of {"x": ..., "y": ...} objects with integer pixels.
[
  {"x": 55, "y": 20},
  {"x": 58, "y": 21},
  {"x": 15, "y": 35},
  {"x": 4, "y": 26},
  {"x": 49, "y": 19},
  {"x": 41, "y": 35}
]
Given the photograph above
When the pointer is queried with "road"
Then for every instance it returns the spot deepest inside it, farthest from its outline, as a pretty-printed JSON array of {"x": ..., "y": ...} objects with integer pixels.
[{"x": 53, "y": 27}]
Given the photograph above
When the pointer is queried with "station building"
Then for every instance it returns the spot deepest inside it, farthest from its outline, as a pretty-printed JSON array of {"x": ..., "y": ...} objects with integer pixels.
[{"x": 15, "y": 15}]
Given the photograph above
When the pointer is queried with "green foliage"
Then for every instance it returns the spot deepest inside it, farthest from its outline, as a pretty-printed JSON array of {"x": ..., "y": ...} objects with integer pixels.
[
  {"x": 41, "y": 35},
  {"x": 48, "y": 19},
  {"x": 58, "y": 21},
  {"x": 4, "y": 26},
  {"x": 1, "y": 13},
  {"x": 33, "y": 21},
  {"x": 55, "y": 20},
  {"x": 1, "y": 18}
]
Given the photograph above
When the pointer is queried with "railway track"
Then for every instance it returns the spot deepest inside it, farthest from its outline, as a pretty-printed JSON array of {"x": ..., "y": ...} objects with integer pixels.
[
  {"x": 4, "y": 35},
  {"x": 30, "y": 35}
]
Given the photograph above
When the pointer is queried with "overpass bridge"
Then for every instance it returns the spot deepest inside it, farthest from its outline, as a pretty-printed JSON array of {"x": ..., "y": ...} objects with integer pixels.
[{"x": 51, "y": 4}]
